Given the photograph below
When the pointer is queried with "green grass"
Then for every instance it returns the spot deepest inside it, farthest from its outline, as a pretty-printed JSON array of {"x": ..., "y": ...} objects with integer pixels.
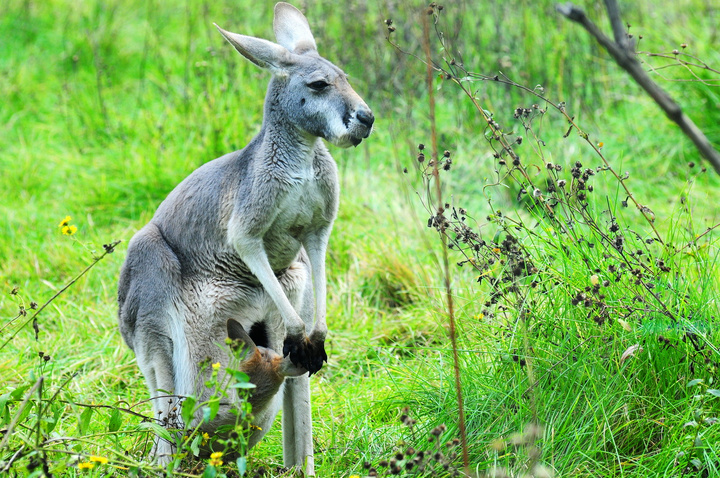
[{"x": 106, "y": 106}]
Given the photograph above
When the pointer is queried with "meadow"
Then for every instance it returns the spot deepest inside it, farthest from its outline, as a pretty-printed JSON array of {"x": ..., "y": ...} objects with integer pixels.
[{"x": 574, "y": 231}]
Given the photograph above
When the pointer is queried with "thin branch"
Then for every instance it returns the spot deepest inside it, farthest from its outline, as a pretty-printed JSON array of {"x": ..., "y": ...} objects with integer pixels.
[
  {"x": 624, "y": 56},
  {"x": 109, "y": 249},
  {"x": 619, "y": 32},
  {"x": 679, "y": 62},
  {"x": 446, "y": 263}
]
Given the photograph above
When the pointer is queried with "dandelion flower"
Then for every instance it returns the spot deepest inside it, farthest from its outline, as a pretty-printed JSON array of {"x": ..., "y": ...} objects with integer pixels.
[
  {"x": 99, "y": 459},
  {"x": 215, "y": 458},
  {"x": 86, "y": 465}
]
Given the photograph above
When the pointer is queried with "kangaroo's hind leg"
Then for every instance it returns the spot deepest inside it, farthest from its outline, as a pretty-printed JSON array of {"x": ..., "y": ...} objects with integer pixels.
[
  {"x": 150, "y": 322},
  {"x": 297, "y": 413},
  {"x": 297, "y": 425},
  {"x": 155, "y": 357}
]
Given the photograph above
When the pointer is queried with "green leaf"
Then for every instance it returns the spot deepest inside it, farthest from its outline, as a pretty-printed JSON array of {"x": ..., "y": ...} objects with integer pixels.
[
  {"x": 188, "y": 409},
  {"x": 115, "y": 420},
  {"x": 4, "y": 416},
  {"x": 23, "y": 414},
  {"x": 210, "y": 472},
  {"x": 244, "y": 385},
  {"x": 214, "y": 405},
  {"x": 242, "y": 465},
  {"x": 18, "y": 393},
  {"x": 195, "y": 445},
  {"x": 692, "y": 383},
  {"x": 84, "y": 421},
  {"x": 713, "y": 391},
  {"x": 160, "y": 431},
  {"x": 238, "y": 375},
  {"x": 210, "y": 411},
  {"x": 49, "y": 423}
]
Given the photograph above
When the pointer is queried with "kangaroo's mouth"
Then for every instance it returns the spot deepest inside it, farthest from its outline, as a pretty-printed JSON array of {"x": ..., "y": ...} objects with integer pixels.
[
  {"x": 355, "y": 140},
  {"x": 347, "y": 140},
  {"x": 353, "y": 137}
]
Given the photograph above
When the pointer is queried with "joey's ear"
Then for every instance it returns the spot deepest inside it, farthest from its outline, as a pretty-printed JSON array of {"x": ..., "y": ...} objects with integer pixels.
[
  {"x": 263, "y": 53},
  {"x": 237, "y": 334},
  {"x": 292, "y": 29}
]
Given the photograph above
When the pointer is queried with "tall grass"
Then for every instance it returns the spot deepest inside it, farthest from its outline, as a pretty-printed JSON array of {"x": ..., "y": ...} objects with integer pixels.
[{"x": 570, "y": 295}]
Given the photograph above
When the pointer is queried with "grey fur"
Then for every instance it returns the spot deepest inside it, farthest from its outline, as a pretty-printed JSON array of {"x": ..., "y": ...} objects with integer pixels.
[{"x": 245, "y": 237}]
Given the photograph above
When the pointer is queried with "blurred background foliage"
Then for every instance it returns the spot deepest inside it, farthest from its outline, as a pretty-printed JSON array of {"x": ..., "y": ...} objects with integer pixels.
[{"x": 106, "y": 105}]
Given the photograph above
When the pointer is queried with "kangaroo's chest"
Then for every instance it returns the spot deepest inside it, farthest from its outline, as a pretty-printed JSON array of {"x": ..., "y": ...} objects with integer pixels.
[
  {"x": 300, "y": 210},
  {"x": 300, "y": 207}
]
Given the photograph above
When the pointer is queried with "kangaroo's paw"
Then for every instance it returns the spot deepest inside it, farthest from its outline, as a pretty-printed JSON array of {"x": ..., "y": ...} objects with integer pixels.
[{"x": 306, "y": 352}]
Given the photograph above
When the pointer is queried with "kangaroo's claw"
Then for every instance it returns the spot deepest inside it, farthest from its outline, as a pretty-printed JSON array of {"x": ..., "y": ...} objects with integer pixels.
[{"x": 306, "y": 352}]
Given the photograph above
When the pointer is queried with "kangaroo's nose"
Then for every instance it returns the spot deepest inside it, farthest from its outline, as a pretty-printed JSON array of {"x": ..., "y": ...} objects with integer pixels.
[{"x": 366, "y": 117}]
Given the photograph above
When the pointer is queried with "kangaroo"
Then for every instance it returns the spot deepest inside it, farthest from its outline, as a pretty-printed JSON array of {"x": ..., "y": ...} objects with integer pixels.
[{"x": 245, "y": 236}]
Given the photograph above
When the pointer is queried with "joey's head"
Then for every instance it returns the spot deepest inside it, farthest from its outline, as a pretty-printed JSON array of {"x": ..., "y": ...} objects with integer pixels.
[
  {"x": 307, "y": 92},
  {"x": 266, "y": 368}
]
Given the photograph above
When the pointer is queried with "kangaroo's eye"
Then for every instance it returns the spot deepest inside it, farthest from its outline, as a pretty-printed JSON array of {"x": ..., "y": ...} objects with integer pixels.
[{"x": 318, "y": 85}]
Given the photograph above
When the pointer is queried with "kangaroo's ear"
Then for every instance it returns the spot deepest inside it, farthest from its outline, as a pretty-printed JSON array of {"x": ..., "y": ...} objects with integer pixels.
[
  {"x": 292, "y": 29},
  {"x": 263, "y": 53},
  {"x": 243, "y": 345}
]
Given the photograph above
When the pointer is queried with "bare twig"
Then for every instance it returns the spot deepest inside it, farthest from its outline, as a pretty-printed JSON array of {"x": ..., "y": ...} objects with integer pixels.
[
  {"x": 680, "y": 61},
  {"x": 624, "y": 55},
  {"x": 621, "y": 36},
  {"x": 446, "y": 263},
  {"x": 109, "y": 248}
]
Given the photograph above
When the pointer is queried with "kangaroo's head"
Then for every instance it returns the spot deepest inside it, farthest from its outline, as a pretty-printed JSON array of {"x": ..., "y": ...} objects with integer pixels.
[{"x": 307, "y": 92}]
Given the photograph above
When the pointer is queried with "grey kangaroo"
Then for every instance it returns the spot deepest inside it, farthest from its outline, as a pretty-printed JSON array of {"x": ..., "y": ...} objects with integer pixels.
[{"x": 244, "y": 238}]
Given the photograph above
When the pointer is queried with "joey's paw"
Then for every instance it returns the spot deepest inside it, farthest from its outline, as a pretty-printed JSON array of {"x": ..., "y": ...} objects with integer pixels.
[{"x": 306, "y": 352}]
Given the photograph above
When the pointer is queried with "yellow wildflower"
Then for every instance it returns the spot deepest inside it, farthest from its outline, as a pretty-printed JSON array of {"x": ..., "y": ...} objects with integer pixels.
[
  {"x": 99, "y": 459},
  {"x": 216, "y": 365},
  {"x": 215, "y": 458},
  {"x": 205, "y": 438},
  {"x": 86, "y": 465},
  {"x": 65, "y": 222},
  {"x": 69, "y": 230}
]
